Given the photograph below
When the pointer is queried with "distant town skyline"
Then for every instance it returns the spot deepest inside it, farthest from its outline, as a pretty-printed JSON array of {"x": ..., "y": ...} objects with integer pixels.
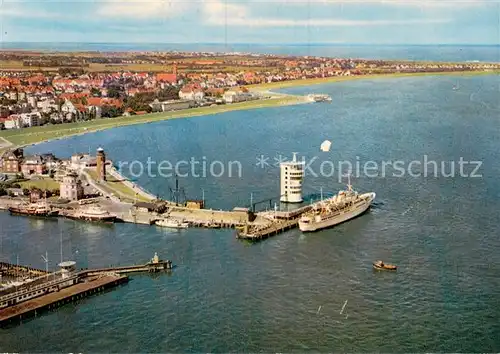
[{"x": 253, "y": 21}]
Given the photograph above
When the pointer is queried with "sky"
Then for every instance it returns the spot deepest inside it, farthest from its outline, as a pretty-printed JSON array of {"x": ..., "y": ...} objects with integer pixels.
[{"x": 252, "y": 21}]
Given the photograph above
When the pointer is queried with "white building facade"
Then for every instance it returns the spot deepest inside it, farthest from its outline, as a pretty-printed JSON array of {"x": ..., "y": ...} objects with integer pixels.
[{"x": 291, "y": 177}]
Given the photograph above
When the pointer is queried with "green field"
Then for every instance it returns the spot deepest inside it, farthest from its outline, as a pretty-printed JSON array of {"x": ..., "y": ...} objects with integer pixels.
[
  {"x": 44, "y": 183},
  {"x": 117, "y": 188},
  {"x": 219, "y": 66},
  {"x": 28, "y": 136}
]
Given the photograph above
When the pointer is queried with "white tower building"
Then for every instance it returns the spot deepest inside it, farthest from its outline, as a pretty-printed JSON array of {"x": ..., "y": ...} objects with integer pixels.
[
  {"x": 71, "y": 187},
  {"x": 292, "y": 174}
]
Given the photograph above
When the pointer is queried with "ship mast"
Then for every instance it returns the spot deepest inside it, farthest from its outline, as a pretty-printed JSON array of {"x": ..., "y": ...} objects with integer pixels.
[
  {"x": 46, "y": 260},
  {"x": 61, "y": 237}
]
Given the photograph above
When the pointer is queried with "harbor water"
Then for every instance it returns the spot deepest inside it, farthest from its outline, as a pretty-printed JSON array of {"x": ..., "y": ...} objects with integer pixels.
[{"x": 286, "y": 294}]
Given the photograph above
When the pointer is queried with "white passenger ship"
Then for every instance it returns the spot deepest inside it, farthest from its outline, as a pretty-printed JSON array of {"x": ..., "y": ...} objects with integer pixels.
[{"x": 344, "y": 206}]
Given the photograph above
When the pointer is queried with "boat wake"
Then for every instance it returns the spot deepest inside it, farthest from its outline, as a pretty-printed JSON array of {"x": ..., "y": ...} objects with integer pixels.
[{"x": 377, "y": 205}]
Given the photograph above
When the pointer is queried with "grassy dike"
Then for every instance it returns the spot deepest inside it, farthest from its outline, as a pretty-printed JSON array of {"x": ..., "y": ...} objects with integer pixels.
[{"x": 29, "y": 136}]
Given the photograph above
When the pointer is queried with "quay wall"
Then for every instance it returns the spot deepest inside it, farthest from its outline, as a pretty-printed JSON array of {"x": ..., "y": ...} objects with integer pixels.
[
  {"x": 201, "y": 216},
  {"x": 7, "y": 202},
  {"x": 138, "y": 217}
]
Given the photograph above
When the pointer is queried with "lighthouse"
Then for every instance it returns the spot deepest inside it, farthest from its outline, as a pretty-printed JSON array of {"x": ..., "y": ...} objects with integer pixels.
[
  {"x": 101, "y": 164},
  {"x": 292, "y": 174}
]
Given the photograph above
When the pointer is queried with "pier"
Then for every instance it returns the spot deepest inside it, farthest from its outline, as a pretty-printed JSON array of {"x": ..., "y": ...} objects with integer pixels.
[
  {"x": 113, "y": 198},
  {"x": 64, "y": 296},
  {"x": 51, "y": 290},
  {"x": 145, "y": 268},
  {"x": 261, "y": 233},
  {"x": 260, "y": 224}
]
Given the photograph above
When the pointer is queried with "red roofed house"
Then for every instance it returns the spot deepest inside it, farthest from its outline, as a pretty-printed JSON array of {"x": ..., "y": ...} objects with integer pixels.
[
  {"x": 103, "y": 101},
  {"x": 135, "y": 90},
  {"x": 36, "y": 80},
  {"x": 33, "y": 165},
  {"x": 167, "y": 78},
  {"x": 11, "y": 161},
  {"x": 73, "y": 96},
  {"x": 9, "y": 82},
  {"x": 95, "y": 104},
  {"x": 214, "y": 92},
  {"x": 14, "y": 121}
]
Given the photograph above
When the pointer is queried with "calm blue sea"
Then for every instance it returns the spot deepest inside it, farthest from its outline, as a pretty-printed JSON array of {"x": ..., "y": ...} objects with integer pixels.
[
  {"x": 483, "y": 53},
  {"x": 229, "y": 296}
]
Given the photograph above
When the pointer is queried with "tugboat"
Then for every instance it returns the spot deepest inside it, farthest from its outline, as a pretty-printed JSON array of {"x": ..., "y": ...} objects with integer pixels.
[
  {"x": 93, "y": 213},
  {"x": 34, "y": 209},
  {"x": 379, "y": 265}
]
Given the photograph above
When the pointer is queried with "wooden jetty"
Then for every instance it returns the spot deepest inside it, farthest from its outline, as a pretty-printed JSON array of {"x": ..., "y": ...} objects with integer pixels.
[
  {"x": 53, "y": 300},
  {"x": 150, "y": 267},
  {"x": 51, "y": 290},
  {"x": 263, "y": 232}
]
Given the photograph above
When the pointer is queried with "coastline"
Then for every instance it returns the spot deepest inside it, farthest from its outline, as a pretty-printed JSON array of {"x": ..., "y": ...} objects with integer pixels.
[
  {"x": 37, "y": 135},
  {"x": 333, "y": 79}
]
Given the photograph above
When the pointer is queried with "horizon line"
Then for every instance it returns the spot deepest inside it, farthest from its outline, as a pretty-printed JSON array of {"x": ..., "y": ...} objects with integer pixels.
[{"x": 262, "y": 44}]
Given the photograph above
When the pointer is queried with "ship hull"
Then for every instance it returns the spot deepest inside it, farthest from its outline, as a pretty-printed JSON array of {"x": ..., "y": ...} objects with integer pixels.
[
  {"x": 342, "y": 217},
  {"x": 106, "y": 219},
  {"x": 20, "y": 212},
  {"x": 173, "y": 225}
]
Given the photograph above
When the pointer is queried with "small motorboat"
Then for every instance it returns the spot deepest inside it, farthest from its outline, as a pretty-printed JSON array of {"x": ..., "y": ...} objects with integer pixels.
[
  {"x": 212, "y": 226},
  {"x": 379, "y": 265},
  {"x": 174, "y": 224}
]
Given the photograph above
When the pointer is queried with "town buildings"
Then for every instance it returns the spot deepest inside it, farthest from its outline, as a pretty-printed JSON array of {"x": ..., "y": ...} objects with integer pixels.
[
  {"x": 80, "y": 161},
  {"x": 171, "y": 105},
  {"x": 238, "y": 95},
  {"x": 14, "y": 161},
  {"x": 11, "y": 161},
  {"x": 189, "y": 79},
  {"x": 33, "y": 165}
]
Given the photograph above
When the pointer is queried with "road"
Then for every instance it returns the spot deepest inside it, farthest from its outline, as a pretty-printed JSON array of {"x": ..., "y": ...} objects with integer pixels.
[{"x": 4, "y": 143}]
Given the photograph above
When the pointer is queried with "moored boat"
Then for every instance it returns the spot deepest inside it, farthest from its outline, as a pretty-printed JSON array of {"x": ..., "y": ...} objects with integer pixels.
[
  {"x": 211, "y": 225},
  {"x": 319, "y": 98},
  {"x": 379, "y": 265},
  {"x": 92, "y": 213},
  {"x": 172, "y": 223},
  {"x": 34, "y": 209}
]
